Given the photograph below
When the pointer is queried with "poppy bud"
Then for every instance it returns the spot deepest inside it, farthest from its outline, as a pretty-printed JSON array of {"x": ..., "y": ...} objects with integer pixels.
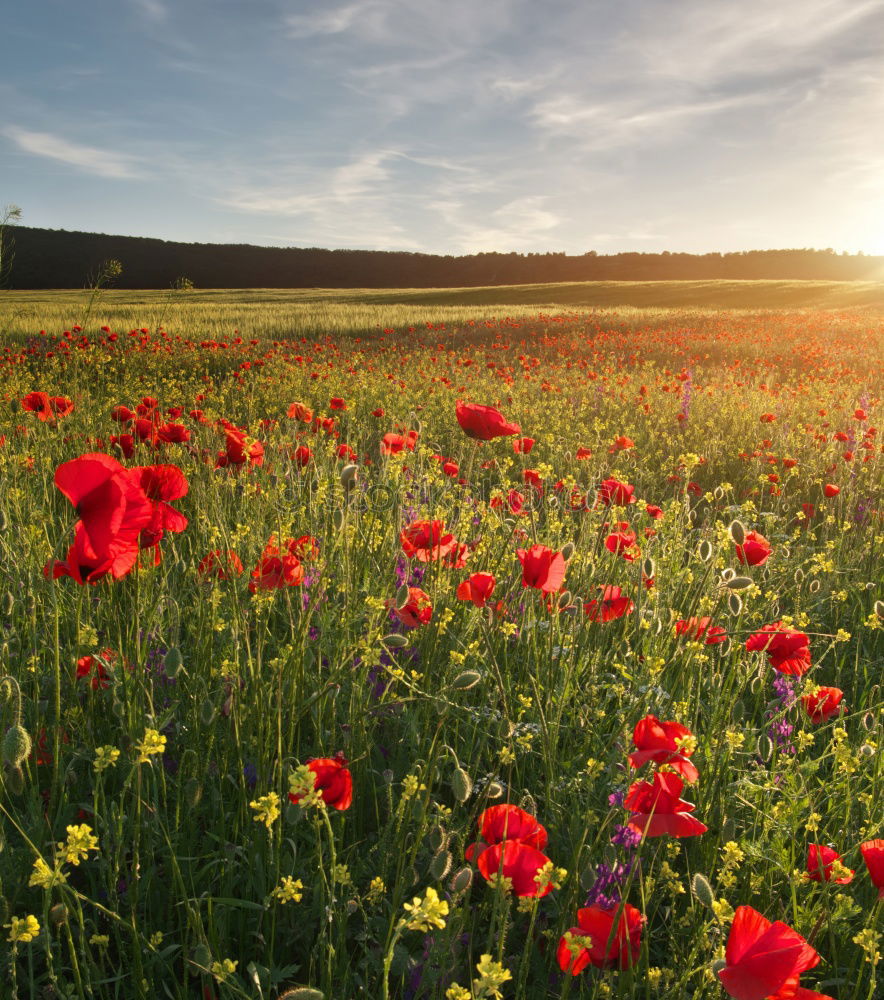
[
  {"x": 466, "y": 680},
  {"x": 338, "y": 520},
  {"x": 349, "y": 476},
  {"x": 716, "y": 967},
  {"x": 302, "y": 993},
  {"x": 16, "y": 745},
  {"x": 118, "y": 708},
  {"x": 648, "y": 568},
  {"x": 402, "y": 596},
  {"x": 208, "y": 712},
  {"x": 814, "y": 586},
  {"x": 461, "y": 881},
  {"x": 193, "y": 793},
  {"x": 564, "y": 599},
  {"x": 173, "y": 661},
  {"x": 879, "y": 609},
  {"x": 568, "y": 550},
  {"x": 8, "y": 603},
  {"x": 388, "y": 776},
  {"x": 738, "y": 583},
  {"x": 705, "y": 550},
  {"x": 59, "y": 914},
  {"x": 727, "y": 574},
  {"x": 765, "y": 746},
  {"x": 737, "y": 533},
  {"x": 437, "y": 837},
  {"x": 494, "y": 790},
  {"x": 16, "y": 778},
  {"x": 440, "y": 866},
  {"x": 703, "y": 890},
  {"x": 394, "y": 641},
  {"x": 201, "y": 957},
  {"x": 461, "y": 785},
  {"x": 738, "y": 710},
  {"x": 799, "y": 575},
  {"x": 4, "y": 524},
  {"x": 734, "y": 603}
]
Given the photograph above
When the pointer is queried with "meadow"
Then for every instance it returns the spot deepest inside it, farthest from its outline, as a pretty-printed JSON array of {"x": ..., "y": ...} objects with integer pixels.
[{"x": 449, "y": 644}]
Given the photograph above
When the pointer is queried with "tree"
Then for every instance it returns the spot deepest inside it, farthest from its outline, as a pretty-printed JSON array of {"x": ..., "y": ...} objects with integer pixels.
[{"x": 8, "y": 214}]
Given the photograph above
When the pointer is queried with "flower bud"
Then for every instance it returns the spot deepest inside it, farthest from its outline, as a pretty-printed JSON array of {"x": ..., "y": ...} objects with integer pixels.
[
  {"x": 648, "y": 568},
  {"x": 8, "y": 603},
  {"x": 737, "y": 532},
  {"x": 193, "y": 793},
  {"x": 15, "y": 777},
  {"x": 813, "y": 586},
  {"x": 440, "y": 866},
  {"x": 349, "y": 476},
  {"x": 437, "y": 837},
  {"x": 765, "y": 746},
  {"x": 494, "y": 790},
  {"x": 302, "y": 993},
  {"x": 58, "y": 914},
  {"x": 703, "y": 890},
  {"x": 705, "y": 550},
  {"x": 734, "y": 603},
  {"x": 568, "y": 550},
  {"x": 394, "y": 641},
  {"x": 739, "y": 583},
  {"x": 466, "y": 680},
  {"x": 201, "y": 957},
  {"x": 208, "y": 711},
  {"x": 338, "y": 520},
  {"x": 173, "y": 661},
  {"x": 461, "y": 785},
  {"x": 402, "y": 596},
  {"x": 16, "y": 745},
  {"x": 879, "y": 609},
  {"x": 461, "y": 881}
]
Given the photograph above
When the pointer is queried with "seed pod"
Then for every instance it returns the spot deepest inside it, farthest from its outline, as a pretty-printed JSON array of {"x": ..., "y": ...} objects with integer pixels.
[
  {"x": 462, "y": 880},
  {"x": 338, "y": 520},
  {"x": 402, "y": 596},
  {"x": 437, "y": 838},
  {"x": 739, "y": 583},
  {"x": 58, "y": 914},
  {"x": 461, "y": 784},
  {"x": 16, "y": 745},
  {"x": 494, "y": 790},
  {"x": 466, "y": 680},
  {"x": 734, "y": 603},
  {"x": 813, "y": 586},
  {"x": 15, "y": 776},
  {"x": 568, "y": 550},
  {"x": 703, "y": 890},
  {"x": 705, "y": 550},
  {"x": 737, "y": 532},
  {"x": 394, "y": 641},
  {"x": 173, "y": 661},
  {"x": 765, "y": 747},
  {"x": 648, "y": 568},
  {"x": 440, "y": 866}
]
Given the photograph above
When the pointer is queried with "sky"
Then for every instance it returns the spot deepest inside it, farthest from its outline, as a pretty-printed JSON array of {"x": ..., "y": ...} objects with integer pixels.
[{"x": 450, "y": 126}]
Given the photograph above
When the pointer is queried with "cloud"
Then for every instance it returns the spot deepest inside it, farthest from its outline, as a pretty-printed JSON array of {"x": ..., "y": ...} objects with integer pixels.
[
  {"x": 152, "y": 10},
  {"x": 89, "y": 159},
  {"x": 332, "y": 21}
]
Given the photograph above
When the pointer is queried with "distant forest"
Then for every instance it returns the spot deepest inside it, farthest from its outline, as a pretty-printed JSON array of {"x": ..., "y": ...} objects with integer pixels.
[{"x": 49, "y": 258}]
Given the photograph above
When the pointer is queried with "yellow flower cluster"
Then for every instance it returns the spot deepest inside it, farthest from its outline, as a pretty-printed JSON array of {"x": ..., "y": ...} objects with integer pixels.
[
  {"x": 23, "y": 929},
  {"x": 426, "y": 913},
  {"x": 266, "y": 809},
  {"x": 152, "y": 744}
]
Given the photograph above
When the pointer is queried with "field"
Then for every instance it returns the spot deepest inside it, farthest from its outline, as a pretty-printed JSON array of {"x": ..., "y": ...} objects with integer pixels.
[{"x": 354, "y": 642}]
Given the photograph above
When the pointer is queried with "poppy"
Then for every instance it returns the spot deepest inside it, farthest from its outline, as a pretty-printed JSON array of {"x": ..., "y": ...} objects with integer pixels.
[
  {"x": 275, "y": 571},
  {"x": 701, "y": 630},
  {"x": 522, "y": 446},
  {"x": 336, "y": 403},
  {"x": 653, "y": 511},
  {"x": 507, "y": 822},
  {"x": 86, "y": 665},
  {"x": 520, "y": 863},
  {"x": 306, "y": 548},
  {"x": 298, "y": 411},
  {"x": 658, "y": 810},
  {"x": 483, "y": 423},
  {"x": 426, "y": 541},
  {"x": 614, "y": 939},
  {"x": 622, "y": 443},
  {"x": 820, "y": 862},
  {"x": 122, "y": 414},
  {"x": 668, "y": 743},
  {"x": 611, "y": 605},
  {"x": 765, "y": 960},
  {"x": 83, "y": 565},
  {"x": 755, "y": 549},
  {"x": 873, "y": 855},
  {"x": 457, "y": 557},
  {"x": 160, "y": 483},
  {"x": 220, "y": 565},
  {"x": 239, "y": 450},
  {"x": 38, "y": 403},
  {"x": 831, "y": 490},
  {"x": 332, "y": 780},
  {"x": 612, "y": 492},
  {"x": 583, "y": 453},
  {"x": 113, "y": 508},
  {"x": 125, "y": 444},
  {"x": 622, "y": 542},
  {"x": 787, "y": 650},
  {"x": 301, "y": 456},
  {"x": 392, "y": 444},
  {"x": 822, "y": 703},
  {"x": 478, "y": 589},
  {"x": 417, "y": 610},
  {"x": 542, "y": 568}
]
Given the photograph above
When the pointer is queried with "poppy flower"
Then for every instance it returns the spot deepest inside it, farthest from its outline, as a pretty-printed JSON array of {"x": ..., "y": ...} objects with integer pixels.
[
  {"x": 873, "y": 855},
  {"x": 765, "y": 960},
  {"x": 125, "y": 443},
  {"x": 701, "y": 630},
  {"x": 113, "y": 508},
  {"x": 612, "y": 492},
  {"x": 426, "y": 541},
  {"x": 483, "y": 423},
  {"x": 831, "y": 490},
  {"x": 417, "y": 610},
  {"x": 276, "y": 570},
  {"x": 301, "y": 456},
  {"x": 171, "y": 433},
  {"x": 522, "y": 446},
  {"x": 457, "y": 557},
  {"x": 122, "y": 414},
  {"x": 160, "y": 483},
  {"x": 336, "y": 403},
  {"x": 542, "y": 568},
  {"x": 507, "y": 822},
  {"x": 668, "y": 743},
  {"x": 305, "y": 547},
  {"x": 299, "y": 411},
  {"x": 820, "y": 862},
  {"x": 478, "y": 589},
  {"x": 332, "y": 780},
  {"x": 611, "y": 605},
  {"x": 239, "y": 450},
  {"x": 520, "y": 863},
  {"x": 379, "y": 412},
  {"x": 787, "y": 650},
  {"x": 653, "y": 511},
  {"x": 622, "y": 542},
  {"x": 658, "y": 810},
  {"x": 86, "y": 665},
  {"x": 39, "y": 404},
  {"x": 83, "y": 565},
  {"x": 583, "y": 453},
  {"x": 614, "y": 939},
  {"x": 755, "y": 549},
  {"x": 220, "y": 565},
  {"x": 822, "y": 703},
  {"x": 392, "y": 444}
]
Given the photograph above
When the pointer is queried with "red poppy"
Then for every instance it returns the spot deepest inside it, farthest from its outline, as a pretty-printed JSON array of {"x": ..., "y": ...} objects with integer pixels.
[
  {"x": 332, "y": 780},
  {"x": 275, "y": 571},
  {"x": 83, "y": 565},
  {"x": 122, "y": 414},
  {"x": 622, "y": 542},
  {"x": 820, "y": 860},
  {"x": 125, "y": 443},
  {"x": 523, "y": 445},
  {"x": 787, "y": 650},
  {"x": 160, "y": 483},
  {"x": 478, "y": 589},
  {"x": 298, "y": 411},
  {"x": 305, "y": 547},
  {"x": 657, "y": 809},
  {"x": 47, "y": 407},
  {"x": 336, "y": 403},
  {"x": 653, "y": 511},
  {"x": 220, "y": 565},
  {"x": 767, "y": 418},
  {"x": 113, "y": 508},
  {"x": 426, "y": 541},
  {"x": 173, "y": 433},
  {"x": 668, "y": 743},
  {"x": 822, "y": 703},
  {"x": 392, "y": 444},
  {"x": 507, "y": 822},
  {"x": 583, "y": 453},
  {"x": 517, "y": 861},
  {"x": 417, "y": 610},
  {"x": 483, "y": 423},
  {"x": 238, "y": 450},
  {"x": 612, "y": 492},
  {"x": 622, "y": 443},
  {"x": 831, "y": 490},
  {"x": 873, "y": 855},
  {"x": 755, "y": 549},
  {"x": 457, "y": 557},
  {"x": 701, "y": 629},
  {"x": 301, "y": 456},
  {"x": 86, "y": 664},
  {"x": 612, "y": 605},
  {"x": 765, "y": 960},
  {"x": 615, "y": 939},
  {"x": 542, "y": 568}
]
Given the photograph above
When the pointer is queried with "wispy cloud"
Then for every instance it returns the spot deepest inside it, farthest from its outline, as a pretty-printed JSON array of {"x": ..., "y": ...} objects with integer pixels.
[
  {"x": 90, "y": 159},
  {"x": 152, "y": 10}
]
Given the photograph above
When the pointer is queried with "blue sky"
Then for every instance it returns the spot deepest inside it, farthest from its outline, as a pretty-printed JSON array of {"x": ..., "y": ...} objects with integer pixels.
[{"x": 450, "y": 126}]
